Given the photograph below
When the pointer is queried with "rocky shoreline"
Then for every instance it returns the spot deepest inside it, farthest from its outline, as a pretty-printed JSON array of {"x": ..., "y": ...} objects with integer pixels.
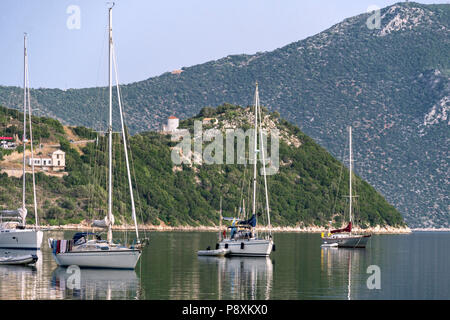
[
  {"x": 431, "y": 230},
  {"x": 162, "y": 228}
]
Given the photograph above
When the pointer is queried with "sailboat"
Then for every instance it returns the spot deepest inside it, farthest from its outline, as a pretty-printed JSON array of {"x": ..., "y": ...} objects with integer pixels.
[
  {"x": 345, "y": 237},
  {"x": 98, "y": 253},
  {"x": 243, "y": 239},
  {"x": 13, "y": 231}
]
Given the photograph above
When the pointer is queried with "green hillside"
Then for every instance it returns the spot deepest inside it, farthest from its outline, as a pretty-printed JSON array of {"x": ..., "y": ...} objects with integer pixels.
[{"x": 305, "y": 192}]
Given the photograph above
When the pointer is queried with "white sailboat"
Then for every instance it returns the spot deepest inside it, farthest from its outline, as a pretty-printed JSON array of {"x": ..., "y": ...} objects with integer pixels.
[
  {"x": 13, "y": 231},
  {"x": 98, "y": 253},
  {"x": 345, "y": 237},
  {"x": 243, "y": 239}
]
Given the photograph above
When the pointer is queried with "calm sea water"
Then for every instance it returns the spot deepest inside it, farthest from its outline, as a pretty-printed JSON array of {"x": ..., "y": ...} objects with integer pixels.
[{"x": 414, "y": 266}]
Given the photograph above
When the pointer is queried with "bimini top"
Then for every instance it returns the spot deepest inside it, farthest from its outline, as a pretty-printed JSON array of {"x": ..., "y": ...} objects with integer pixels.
[
  {"x": 77, "y": 236},
  {"x": 250, "y": 222}
]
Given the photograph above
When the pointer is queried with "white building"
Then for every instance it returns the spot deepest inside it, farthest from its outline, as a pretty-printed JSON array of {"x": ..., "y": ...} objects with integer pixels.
[
  {"x": 172, "y": 124},
  {"x": 8, "y": 145},
  {"x": 56, "y": 161}
]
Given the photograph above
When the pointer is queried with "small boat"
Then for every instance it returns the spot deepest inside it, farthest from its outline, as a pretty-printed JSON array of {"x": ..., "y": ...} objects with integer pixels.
[
  {"x": 329, "y": 245},
  {"x": 345, "y": 238},
  {"x": 215, "y": 253},
  {"x": 19, "y": 260}
]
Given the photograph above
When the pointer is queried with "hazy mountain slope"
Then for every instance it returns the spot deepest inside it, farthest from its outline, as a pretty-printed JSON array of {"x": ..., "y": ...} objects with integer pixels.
[{"x": 391, "y": 83}]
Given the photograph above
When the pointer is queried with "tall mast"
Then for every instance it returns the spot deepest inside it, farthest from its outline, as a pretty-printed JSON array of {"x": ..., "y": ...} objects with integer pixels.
[
  {"x": 24, "y": 137},
  {"x": 351, "y": 167},
  {"x": 261, "y": 142},
  {"x": 27, "y": 78},
  {"x": 110, "y": 131},
  {"x": 220, "y": 221},
  {"x": 255, "y": 154}
]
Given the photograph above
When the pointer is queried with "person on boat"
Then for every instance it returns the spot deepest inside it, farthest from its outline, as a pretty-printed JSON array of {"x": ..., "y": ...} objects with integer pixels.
[{"x": 233, "y": 232}]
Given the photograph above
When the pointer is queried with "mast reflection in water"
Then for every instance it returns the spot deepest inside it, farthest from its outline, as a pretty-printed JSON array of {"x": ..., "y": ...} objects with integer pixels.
[
  {"x": 338, "y": 265},
  {"x": 243, "y": 278},
  {"x": 96, "y": 284}
]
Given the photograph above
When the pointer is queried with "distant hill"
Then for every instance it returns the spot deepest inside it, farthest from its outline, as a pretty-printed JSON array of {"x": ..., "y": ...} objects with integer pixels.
[
  {"x": 309, "y": 189},
  {"x": 392, "y": 84}
]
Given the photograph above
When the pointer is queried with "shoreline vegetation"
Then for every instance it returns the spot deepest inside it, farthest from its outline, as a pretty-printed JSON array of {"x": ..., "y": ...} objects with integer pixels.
[{"x": 165, "y": 228}]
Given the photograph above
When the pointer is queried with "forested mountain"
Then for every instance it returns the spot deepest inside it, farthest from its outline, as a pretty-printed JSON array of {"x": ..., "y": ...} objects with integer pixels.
[
  {"x": 308, "y": 190},
  {"x": 391, "y": 83}
]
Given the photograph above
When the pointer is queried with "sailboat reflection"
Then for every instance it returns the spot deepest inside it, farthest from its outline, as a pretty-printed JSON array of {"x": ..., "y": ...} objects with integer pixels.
[
  {"x": 93, "y": 284},
  {"x": 20, "y": 281},
  {"x": 338, "y": 265},
  {"x": 242, "y": 277}
]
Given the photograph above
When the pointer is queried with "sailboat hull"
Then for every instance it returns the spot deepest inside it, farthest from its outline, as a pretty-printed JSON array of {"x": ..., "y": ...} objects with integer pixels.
[
  {"x": 248, "y": 247},
  {"x": 20, "y": 239},
  {"x": 348, "y": 241},
  {"x": 110, "y": 259}
]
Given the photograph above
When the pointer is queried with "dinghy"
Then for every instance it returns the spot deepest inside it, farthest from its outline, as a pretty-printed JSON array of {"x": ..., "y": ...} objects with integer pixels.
[
  {"x": 215, "y": 253},
  {"x": 330, "y": 245},
  {"x": 19, "y": 260}
]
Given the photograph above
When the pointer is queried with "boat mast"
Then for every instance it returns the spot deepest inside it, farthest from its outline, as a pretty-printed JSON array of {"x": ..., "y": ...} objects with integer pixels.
[
  {"x": 255, "y": 154},
  {"x": 351, "y": 165},
  {"x": 261, "y": 142},
  {"x": 31, "y": 145},
  {"x": 24, "y": 137},
  {"x": 109, "y": 238},
  {"x": 220, "y": 220}
]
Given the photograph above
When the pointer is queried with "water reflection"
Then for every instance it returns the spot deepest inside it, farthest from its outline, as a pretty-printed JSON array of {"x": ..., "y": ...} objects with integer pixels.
[
  {"x": 242, "y": 277},
  {"x": 93, "y": 284},
  {"x": 413, "y": 267},
  {"x": 338, "y": 264}
]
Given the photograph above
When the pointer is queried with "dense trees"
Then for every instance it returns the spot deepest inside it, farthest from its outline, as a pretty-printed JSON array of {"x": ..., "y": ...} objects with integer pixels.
[{"x": 307, "y": 190}]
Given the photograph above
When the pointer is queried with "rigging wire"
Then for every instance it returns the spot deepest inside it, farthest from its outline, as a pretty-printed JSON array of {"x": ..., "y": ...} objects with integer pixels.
[
  {"x": 27, "y": 77},
  {"x": 263, "y": 165},
  {"x": 338, "y": 184},
  {"x": 127, "y": 148}
]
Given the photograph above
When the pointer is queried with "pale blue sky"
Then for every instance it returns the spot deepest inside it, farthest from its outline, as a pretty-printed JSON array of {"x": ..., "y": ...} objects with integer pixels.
[{"x": 152, "y": 36}]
